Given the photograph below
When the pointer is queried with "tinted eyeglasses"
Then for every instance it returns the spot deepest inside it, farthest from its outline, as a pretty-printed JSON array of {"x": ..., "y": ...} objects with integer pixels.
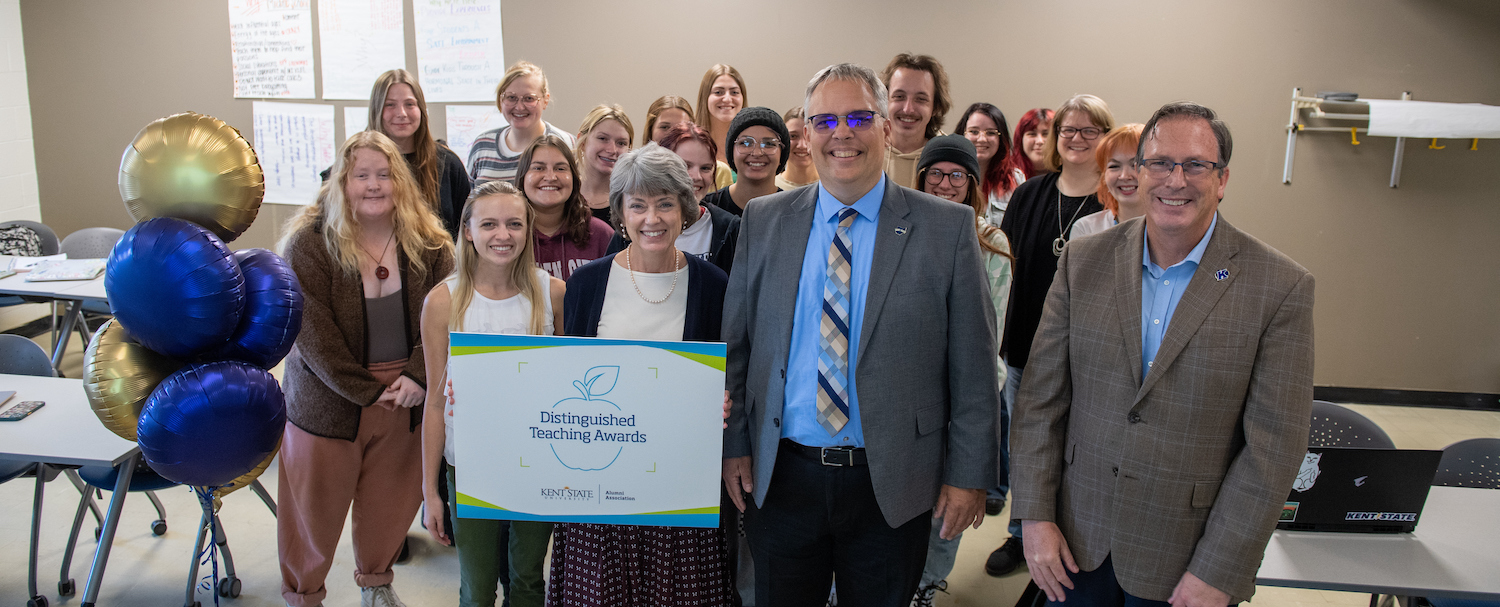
[
  {"x": 857, "y": 121},
  {"x": 1161, "y": 167}
]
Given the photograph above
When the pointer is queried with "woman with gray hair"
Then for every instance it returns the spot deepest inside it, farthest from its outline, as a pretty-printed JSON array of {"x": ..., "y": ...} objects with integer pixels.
[{"x": 649, "y": 291}]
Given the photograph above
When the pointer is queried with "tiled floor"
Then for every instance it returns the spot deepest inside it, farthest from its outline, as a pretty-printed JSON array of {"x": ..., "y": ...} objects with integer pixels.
[{"x": 151, "y": 571}]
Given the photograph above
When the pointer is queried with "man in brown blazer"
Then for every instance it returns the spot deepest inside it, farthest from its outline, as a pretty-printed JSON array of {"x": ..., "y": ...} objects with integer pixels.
[{"x": 1166, "y": 404}]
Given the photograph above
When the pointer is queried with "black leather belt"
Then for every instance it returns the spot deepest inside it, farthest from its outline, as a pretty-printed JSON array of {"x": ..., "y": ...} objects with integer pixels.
[{"x": 828, "y": 456}]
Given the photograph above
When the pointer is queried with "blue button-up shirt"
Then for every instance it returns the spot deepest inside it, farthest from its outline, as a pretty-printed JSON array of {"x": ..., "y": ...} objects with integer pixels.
[
  {"x": 800, "y": 412},
  {"x": 1160, "y": 292}
]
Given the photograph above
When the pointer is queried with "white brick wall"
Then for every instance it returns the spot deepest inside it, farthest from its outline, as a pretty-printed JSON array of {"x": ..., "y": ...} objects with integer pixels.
[{"x": 18, "y": 189}]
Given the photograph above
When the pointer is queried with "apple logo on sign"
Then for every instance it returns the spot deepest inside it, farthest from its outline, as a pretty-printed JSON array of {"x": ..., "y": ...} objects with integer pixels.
[{"x": 585, "y": 454}]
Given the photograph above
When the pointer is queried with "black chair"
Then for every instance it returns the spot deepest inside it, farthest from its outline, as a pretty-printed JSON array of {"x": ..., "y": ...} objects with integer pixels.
[
  {"x": 1470, "y": 463},
  {"x": 1338, "y": 426},
  {"x": 91, "y": 243}
]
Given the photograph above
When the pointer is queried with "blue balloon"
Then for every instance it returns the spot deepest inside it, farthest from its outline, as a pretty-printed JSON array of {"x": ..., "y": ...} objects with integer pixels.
[
  {"x": 209, "y": 424},
  {"x": 175, "y": 287},
  {"x": 273, "y": 311}
]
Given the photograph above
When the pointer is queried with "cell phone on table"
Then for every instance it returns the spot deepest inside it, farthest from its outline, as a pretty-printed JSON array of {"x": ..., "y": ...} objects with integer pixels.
[{"x": 21, "y": 410}]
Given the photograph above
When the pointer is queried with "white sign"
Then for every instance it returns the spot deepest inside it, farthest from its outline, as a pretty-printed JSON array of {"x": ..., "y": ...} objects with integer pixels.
[
  {"x": 294, "y": 142},
  {"x": 356, "y": 119},
  {"x": 460, "y": 55},
  {"x": 360, "y": 40},
  {"x": 465, "y": 122},
  {"x": 271, "y": 48},
  {"x": 576, "y": 429}
]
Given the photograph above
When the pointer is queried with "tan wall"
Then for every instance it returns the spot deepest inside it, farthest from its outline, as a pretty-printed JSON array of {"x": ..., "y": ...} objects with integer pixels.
[{"x": 1407, "y": 278}]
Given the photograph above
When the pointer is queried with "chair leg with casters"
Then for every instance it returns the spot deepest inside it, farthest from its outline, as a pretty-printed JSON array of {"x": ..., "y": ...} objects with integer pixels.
[
  {"x": 36, "y": 599},
  {"x": 83, "y": 490},
  {"x": 229, "y": 585},
  {"x": 158, "y": 526},
  {"x": 265, "y": 496},
  {"x": 65, "y": 584}
]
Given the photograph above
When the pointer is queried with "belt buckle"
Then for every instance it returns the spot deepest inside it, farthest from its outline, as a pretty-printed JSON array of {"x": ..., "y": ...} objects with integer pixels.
[{"x": 848, "y": 455}]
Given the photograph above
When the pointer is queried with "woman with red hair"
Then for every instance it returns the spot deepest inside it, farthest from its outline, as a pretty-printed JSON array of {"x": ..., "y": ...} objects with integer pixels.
[
  {"x": 984, "y": 125},
  {"x": 1117, "y": 183},
  {"x": 1028, "y": 152}
]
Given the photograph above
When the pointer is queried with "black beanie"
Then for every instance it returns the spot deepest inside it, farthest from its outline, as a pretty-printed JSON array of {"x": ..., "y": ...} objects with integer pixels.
[
  {"x": 758, "y": 116},
  {"x": 952, "y": 148}
]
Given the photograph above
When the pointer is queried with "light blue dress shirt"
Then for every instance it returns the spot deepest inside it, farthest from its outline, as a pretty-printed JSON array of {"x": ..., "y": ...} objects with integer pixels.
[
  {"x": 1160, "y": 292},
  {"x": 799, "y": 417}
]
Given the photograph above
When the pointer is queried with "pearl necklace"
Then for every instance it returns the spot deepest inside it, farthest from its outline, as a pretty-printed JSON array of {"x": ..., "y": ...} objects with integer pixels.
[{"x": 675, "y": 269}]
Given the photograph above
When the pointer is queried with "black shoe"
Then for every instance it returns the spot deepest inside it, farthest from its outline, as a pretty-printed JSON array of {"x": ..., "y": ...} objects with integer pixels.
[
  {"x": 1005, "y": 559},
  {"x": 993, "y": 506}
]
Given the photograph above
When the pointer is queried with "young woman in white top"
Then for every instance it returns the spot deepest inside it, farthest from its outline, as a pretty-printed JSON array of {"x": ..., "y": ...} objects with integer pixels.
[
  {"x": 496, "y": 287},
  {"x": 1118, "y": 188}
]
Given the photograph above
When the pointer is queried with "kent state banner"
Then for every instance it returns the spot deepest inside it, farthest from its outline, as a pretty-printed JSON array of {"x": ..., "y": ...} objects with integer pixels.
[{"x": 573, "y": 429}]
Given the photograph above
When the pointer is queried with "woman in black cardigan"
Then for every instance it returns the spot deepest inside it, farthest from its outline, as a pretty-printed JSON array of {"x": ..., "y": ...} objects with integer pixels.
[{"x": 648, "y": 291}]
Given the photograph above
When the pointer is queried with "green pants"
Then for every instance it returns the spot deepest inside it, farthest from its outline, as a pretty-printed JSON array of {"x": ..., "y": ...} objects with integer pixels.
[{"x": 479, "y": 558}]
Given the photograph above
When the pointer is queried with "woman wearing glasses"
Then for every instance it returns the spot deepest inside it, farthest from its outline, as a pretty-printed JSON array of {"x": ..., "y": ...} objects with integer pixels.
[
  {"x": 1118, "y": 188},
  {"x": 521, "y": 97},
  {"x": 950, "y": 169},
  {"x": 604, "y": 136},
  {"x": 758, "y": 142},
  {"x": 984, "y": 126},
  {"x": 1042, "y": 212},
  {"x": 712, "y": 234}
]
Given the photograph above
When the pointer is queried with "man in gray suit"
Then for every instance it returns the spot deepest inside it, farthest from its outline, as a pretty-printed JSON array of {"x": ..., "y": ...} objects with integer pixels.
[
  {"x": 1165, "y": 407},
  {"x": 861, "y": 366}
]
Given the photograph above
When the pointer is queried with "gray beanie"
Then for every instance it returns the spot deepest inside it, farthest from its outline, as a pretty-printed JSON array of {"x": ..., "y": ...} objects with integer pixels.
[{"x": 758, "y": 116}]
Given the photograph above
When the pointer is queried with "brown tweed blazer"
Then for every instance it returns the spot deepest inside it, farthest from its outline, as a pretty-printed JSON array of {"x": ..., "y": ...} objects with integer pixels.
[
  {"x": 1188, "y": 469},
  {"x": 326, "y": 383}
]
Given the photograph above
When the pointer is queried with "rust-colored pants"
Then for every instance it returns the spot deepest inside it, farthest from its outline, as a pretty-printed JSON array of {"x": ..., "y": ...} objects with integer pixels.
[{"x": 379, "y": 472}]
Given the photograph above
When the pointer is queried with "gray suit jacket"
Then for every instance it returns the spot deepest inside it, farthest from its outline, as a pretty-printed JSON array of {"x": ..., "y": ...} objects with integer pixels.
[
  {"x": 925, "y": 369},
  {"x": 1188, "y": 469}
]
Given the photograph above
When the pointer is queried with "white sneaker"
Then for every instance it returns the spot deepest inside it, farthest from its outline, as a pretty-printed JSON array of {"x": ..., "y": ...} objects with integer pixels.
[{"x": 379, "y": 596}]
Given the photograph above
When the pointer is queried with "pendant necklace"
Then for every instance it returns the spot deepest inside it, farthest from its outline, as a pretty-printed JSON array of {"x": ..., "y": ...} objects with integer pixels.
[
  {"x": 675, "y": 270},
  {"x": 380, "y": 272},
  {"x": 1062, "y": 233}
]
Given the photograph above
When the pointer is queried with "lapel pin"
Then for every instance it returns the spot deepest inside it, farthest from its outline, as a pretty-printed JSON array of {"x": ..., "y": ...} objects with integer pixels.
[
  {"x": 900, "y": 230},
  {"x": 1221, "y": 274}
]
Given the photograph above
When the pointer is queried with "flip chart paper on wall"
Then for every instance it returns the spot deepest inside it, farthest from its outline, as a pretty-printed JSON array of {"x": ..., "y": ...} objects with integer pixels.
[
  {"x": 271, "y": 48},
  {"x": 294, "y": 142},
  {"x": 574, "y": 429},
  {"x": 460, "y": 54},
  {"x": 360, "y": 39},
  {"x": 465, "y": 122},
  {"x": 356, "y": 119}
]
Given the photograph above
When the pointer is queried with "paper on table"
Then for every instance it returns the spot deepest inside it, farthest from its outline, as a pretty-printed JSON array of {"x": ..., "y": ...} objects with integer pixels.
[
  {"x": 465, "y": 122},
  {"x": 1430, "y": 119},
  {"x": 25, "y": 264},
  {"x": 459, "y": 50},
  {"x": 294, "y": 142},
  {"x": 271, "y": 48},
  {"x": 356, "y": 119},
  {"x": 360, "y": 40}
]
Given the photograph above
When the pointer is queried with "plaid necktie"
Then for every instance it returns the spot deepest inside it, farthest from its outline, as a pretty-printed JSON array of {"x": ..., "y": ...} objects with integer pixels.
[{"x": 833, "y": 343}]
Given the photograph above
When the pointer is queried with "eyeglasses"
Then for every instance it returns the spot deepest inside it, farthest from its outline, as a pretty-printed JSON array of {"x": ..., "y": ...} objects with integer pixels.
[
  {"x": 1161, "y": 167},
  {"x": 1088, "y": 132},
  {"x": 986, "y": 133},
  {"x": 956, "y": 179},
  {"x": 528, "y": 100},
  {"x": 750, "y": 143},
  {"x": 858, "y": 120}
]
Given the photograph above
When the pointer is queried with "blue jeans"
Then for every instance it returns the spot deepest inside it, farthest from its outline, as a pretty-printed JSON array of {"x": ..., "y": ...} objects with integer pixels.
[
  {"x": 1008, "y": 400},
  {"x": 940, "y": 555}
]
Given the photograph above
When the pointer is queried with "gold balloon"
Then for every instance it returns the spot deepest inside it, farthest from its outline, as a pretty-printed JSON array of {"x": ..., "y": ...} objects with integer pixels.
[
  {"x": 249, "y": 477},
  {"x": 119, "y": 375},
  {"x": 193, "y": 167}
]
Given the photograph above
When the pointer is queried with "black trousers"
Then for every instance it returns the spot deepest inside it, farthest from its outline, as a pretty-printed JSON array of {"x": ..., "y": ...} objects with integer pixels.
[{"x": 821, "y": 523}]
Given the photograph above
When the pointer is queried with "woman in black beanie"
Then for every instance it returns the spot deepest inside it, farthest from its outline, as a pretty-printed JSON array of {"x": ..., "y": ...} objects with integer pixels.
[{"x": 757, "y": 147}]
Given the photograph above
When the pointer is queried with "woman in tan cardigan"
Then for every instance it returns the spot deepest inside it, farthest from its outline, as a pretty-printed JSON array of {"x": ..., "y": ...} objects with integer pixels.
[{"x": 366, "y": 252}]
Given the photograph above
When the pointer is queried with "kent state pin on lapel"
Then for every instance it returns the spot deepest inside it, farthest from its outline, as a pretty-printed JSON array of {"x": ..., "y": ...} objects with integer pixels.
[
  {"x": 900, "y": 230},
  {"x": 1221, "y": 274}
]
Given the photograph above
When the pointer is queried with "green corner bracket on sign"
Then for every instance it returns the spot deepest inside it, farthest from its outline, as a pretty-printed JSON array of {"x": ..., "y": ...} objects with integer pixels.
[
  {"x": 656, "y": 371},
  {"x": 653, "y": 467},
  {"x": 523, "y": 462},
  {"x": 518, "y": 366}
]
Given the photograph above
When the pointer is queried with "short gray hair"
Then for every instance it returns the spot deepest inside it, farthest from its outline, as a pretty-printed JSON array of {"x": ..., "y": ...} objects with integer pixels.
[
  {"x": 850, "y": 72},
  {"x": 651, "y": 170},
  {"x": 1188, "y": 109}
]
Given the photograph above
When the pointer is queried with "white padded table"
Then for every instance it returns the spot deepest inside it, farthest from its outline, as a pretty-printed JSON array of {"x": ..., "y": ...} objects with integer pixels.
[{"x": 1453, "y": 553}]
